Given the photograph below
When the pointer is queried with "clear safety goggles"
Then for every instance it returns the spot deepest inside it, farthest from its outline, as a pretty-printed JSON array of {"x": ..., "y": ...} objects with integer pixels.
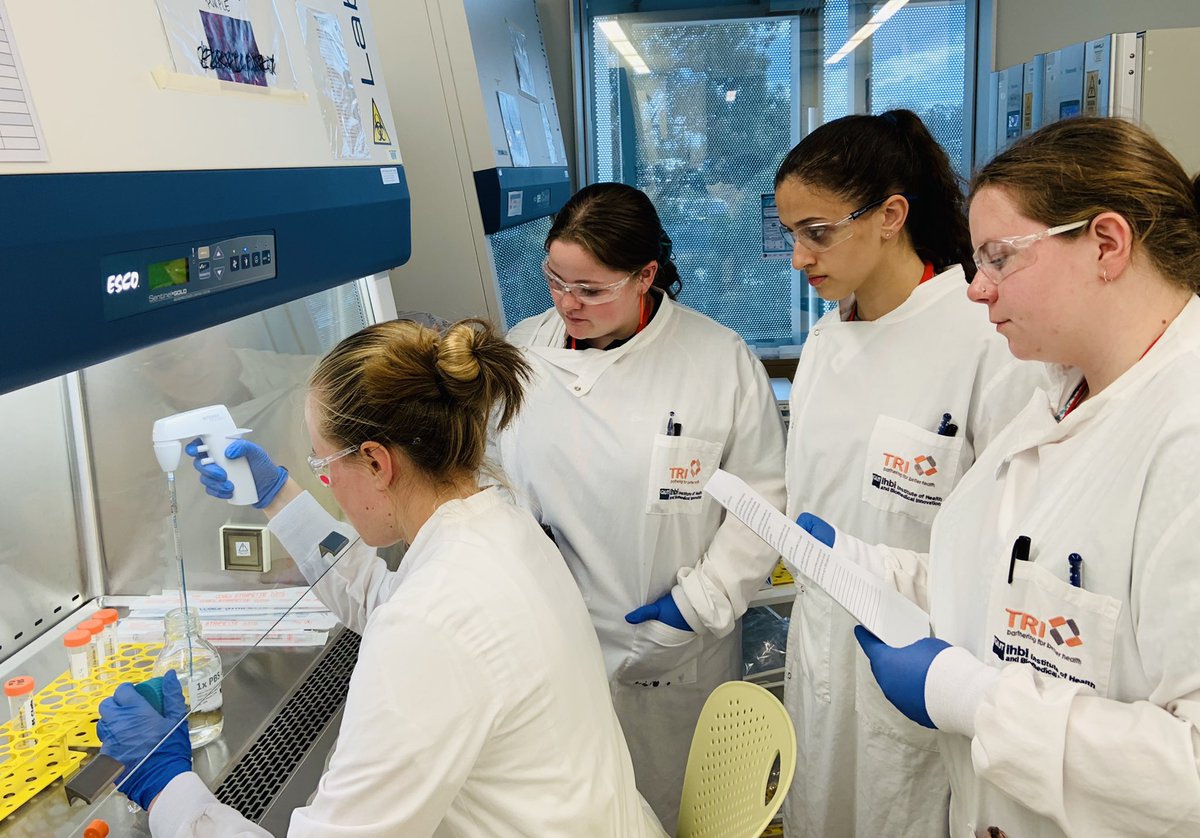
[
  {"x": 1000, "y": 258},
  {"x": 823, "y": 235},
  {"x": 588, "y": 295},
  {"x": 320, "y": 465}
]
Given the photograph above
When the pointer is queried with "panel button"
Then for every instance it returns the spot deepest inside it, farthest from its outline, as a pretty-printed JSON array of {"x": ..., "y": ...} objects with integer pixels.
[
  {"x": 245, "y": 260},
  {"x": 234, "y": 264},
  {"x": 255, "y": 259},
  {"x": 266, "y": 254}
]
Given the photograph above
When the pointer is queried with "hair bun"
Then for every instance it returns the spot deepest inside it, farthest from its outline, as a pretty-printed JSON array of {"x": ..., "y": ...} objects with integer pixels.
[{"x": 456, "y": 358}]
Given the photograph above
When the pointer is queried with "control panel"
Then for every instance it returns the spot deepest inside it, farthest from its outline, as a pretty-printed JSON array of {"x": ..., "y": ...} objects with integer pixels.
[{"x": 139, "y": 281}]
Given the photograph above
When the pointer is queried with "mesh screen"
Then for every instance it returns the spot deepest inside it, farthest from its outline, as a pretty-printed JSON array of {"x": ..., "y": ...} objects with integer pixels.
[
  {"x": 917, "y": 62},
  {"x": 710, "y": 122},
  {"x": 517, "y": 254}
]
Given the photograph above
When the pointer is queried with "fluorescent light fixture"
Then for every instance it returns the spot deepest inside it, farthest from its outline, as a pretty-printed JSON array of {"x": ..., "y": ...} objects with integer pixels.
[
  {"x": 616, "y": 36},
  {"x": 878, "y": 19},
  {"x": 731, "y": 95}
]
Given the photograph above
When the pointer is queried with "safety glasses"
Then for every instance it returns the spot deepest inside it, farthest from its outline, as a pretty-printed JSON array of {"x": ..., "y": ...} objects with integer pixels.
[
  {"x": 1001, "y": 258},
  {"x": 589, "y": 295},
  {"x": 823, "y": 235},
  {"x": 320, "y": 465}
]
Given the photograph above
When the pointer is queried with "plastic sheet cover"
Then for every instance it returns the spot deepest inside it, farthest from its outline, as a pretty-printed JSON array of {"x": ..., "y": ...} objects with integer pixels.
[{"x": 240, "y": 41}]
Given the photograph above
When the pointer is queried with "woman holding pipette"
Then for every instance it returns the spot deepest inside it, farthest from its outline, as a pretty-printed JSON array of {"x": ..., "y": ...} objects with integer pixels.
[
  {"x": 896, "y": 393},
  {"x": 478, "y": 658}
]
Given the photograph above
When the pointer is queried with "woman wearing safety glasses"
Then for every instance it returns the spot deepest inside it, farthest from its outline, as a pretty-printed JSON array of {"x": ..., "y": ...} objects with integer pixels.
[
  {"x": 1061, "y": 579},
  {"x": 636, "y": 401},
  {"x": 895, "y": 394},
  {"x": 479, "y": 702}
]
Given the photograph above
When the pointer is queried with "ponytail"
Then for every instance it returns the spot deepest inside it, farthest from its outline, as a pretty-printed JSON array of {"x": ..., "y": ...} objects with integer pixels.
[{"x": 868, "y": 158}]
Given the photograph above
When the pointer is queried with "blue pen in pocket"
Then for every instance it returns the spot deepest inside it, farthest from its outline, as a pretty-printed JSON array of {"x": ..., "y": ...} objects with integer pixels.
[{"x": 1075, "y": 562}]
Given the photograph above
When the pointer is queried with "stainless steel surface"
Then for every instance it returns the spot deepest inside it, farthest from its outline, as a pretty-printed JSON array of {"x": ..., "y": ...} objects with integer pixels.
[
  {"x": 43, "y": 578},
  {"x": 253, "y": 690},
  {"x": 287, "y": 742},
  {"x": 87, "y": 522}
]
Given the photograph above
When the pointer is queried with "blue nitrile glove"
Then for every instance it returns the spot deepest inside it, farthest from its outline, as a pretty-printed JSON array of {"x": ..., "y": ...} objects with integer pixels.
[
  {"x": 817, "y": 528},
  {"x": 901, "y": 673},
  {"x": 662, "y": 609},
  {"x": 153, "y": 748},
  {"x": 268, "y": 477}
]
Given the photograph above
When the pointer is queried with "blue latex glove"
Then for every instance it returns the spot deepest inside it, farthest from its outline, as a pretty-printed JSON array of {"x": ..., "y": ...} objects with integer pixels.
[
  {"x": 662, "y": 609},
  {"x": 817, "y": 528},
  {"x": 153, "y": 748},
  {"x": 268, "y": 477},
  {"x": 901, "y": 673}
]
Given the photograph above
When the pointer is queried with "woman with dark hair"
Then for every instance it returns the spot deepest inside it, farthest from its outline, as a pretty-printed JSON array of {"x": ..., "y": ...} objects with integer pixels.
[
  {"x": 1061, "y": 578},
  {"x": 636, "y": 401},
  {"x": 895, "y": 394}
]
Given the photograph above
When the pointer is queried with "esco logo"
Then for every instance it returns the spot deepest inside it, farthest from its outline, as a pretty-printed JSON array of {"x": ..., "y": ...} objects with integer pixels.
[{"x": 123, "y": 282}]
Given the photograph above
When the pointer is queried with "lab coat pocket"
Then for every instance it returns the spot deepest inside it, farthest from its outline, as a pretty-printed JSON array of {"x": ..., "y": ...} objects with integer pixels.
[
  {"x": 910, "y": 470},
  {"x": 1060, "y": 630},
  {"x": 661, "y": 655},
  {"x": 679, "y": 468}
]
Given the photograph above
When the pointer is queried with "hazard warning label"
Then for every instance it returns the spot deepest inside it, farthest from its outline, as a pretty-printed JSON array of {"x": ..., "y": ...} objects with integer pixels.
[{"x": 382, "y": 137}]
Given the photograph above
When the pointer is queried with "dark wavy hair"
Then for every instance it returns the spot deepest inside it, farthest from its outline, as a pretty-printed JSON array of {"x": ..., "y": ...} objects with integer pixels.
[{"x": 867, "y": 158}]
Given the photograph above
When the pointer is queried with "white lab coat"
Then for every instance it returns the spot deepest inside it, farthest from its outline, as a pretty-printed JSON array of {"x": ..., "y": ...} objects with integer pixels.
[
  {"x": 863, "y": 391},
  {"x": 1093, "y": 727},
  {"x": 589, "y": 456},
  {"x": 478, "y": 703}
]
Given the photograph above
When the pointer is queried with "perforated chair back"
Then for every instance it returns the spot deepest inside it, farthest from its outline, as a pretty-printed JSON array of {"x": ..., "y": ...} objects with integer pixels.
[{"x": 740, "y": 765}]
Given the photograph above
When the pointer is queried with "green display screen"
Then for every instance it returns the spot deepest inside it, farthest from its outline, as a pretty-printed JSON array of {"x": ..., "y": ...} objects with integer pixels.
[{"x": 166, "y": 274}]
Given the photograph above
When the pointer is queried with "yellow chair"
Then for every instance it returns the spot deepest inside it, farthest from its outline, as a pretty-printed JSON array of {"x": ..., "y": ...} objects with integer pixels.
[{"x": 740, "y": 765}]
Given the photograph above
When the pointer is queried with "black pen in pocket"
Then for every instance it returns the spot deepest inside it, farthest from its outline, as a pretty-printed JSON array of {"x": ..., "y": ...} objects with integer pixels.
[{"x": 1020, "y": 553}]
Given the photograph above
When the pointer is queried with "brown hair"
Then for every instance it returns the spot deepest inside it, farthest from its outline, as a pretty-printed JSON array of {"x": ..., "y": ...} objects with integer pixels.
[
  {"x": 428, "y": 393},
  {"x": 1075, "y": 169},
  {"x": 619, "y": 226},
  {"x": 866, "y": 158}
]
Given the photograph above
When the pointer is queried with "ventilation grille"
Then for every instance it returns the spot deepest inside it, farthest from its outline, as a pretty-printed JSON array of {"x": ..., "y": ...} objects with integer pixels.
[{"x": 259, "y": 776}]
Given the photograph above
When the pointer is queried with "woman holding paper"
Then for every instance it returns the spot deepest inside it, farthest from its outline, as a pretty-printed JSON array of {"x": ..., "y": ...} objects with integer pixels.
[
  {"x": 636, "y": 401},
  {"x": 897, "y": 391},
  {"x": 479, "y": 703},
  {"x": 1061, "y": 576}
]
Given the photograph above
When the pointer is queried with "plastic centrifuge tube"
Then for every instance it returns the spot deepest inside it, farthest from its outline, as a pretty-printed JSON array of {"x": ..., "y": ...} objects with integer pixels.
[
  {"x": 77, "y": 642},
  {"x": 109, "y": 617},
  {"x": 95, "y": 651},
  {"x": 20, "y": 702}
]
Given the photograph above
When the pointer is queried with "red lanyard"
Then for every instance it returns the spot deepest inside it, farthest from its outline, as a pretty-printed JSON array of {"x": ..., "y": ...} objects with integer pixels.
[
  {"x": 925, "y": 277},
  {"x": 1081, "y": 389},
  {"x": 646, "y": 312}
]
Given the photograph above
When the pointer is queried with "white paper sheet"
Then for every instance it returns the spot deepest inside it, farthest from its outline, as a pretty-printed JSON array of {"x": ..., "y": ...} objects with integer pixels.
[
  {"x": 20, "y": 130},
  {"x": 892, "y": 617}
]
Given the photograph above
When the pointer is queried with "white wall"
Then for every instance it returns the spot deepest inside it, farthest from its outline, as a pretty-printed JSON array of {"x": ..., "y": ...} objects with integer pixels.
[{"x": 1025, "y": 28}]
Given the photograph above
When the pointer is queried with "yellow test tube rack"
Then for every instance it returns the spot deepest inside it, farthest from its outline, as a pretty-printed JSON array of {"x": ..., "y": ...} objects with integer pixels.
[{"x": 66, "y": 712}]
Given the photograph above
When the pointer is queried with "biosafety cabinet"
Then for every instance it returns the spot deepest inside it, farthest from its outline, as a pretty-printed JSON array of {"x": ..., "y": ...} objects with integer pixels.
[
  {"x": 198, "y": 199},
  {"x": 1145, "y": 76}
]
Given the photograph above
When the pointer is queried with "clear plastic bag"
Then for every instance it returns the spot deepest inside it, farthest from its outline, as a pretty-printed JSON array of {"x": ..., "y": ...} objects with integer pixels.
[{"x": 764, "y": 641}]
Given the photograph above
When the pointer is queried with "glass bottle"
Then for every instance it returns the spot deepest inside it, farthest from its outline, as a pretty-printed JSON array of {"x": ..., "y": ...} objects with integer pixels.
[{"x": 198, "y": 667}]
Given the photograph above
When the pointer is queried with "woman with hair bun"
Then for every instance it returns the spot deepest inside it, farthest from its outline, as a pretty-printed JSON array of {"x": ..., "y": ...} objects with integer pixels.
[
  {"x": 636, "y": 401},
  {"x": 478, "y": 658},
  {"x": 896, "y": 393}
]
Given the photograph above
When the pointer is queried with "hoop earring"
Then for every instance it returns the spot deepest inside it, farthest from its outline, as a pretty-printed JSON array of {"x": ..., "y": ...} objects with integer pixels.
[{"x": 1104, "y": 275}]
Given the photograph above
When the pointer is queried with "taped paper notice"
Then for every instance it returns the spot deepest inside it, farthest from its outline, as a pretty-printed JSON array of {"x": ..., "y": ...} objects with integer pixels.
[
  {"x": 893, "y": 618},
  {"x": 335, "y": 83},
  {"x": 20, "y": 131},
  {"x": 235, "y": 41}
]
